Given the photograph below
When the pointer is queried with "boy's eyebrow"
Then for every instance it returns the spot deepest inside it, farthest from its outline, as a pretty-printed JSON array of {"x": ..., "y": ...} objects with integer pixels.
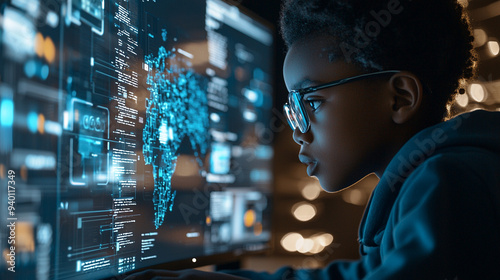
[{"x": 302, "y": 84}]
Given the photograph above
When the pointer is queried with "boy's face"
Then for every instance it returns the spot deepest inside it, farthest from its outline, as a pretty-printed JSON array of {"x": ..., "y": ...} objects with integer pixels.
[{"x": 351, "y": 124}]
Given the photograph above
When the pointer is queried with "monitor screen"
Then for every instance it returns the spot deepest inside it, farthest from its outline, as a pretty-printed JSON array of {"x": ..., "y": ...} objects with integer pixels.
[{"x": 133, "y": 133}]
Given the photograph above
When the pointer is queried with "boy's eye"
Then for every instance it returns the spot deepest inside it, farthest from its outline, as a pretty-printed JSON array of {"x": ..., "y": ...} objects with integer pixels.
[{"x": 313, "y": 103}]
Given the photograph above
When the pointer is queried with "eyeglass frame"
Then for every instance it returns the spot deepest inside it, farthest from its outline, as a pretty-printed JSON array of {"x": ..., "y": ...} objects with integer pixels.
[{"x": 298, "y": 94}]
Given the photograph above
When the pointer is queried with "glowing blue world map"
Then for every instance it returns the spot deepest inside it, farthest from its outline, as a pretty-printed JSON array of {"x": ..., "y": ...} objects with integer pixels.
[{"x": 176, "y": 109}]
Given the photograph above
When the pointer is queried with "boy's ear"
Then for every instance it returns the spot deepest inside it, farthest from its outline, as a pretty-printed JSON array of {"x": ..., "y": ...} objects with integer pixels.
[{"x": 407, "y": 96}]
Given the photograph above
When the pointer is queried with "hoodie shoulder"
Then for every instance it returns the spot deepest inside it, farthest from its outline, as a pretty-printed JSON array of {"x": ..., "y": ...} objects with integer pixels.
[
  {"x": 475, "y": 131},
  {"x": 465, "y": 149}
]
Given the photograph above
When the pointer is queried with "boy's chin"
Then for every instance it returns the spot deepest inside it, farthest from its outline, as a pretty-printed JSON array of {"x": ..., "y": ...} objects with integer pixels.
[{"x": 334, "y": 185}]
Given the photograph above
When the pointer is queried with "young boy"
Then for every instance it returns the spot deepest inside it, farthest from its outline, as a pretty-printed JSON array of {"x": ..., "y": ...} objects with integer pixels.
[{"x": 370, "y": 83}]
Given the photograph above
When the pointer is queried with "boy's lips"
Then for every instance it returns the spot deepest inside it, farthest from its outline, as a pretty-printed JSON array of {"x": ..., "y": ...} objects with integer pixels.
[{"x": 310, "y": 162}]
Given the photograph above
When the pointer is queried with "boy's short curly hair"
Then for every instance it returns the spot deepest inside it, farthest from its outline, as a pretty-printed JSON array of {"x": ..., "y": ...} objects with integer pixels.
[{"x": 430, "y": 38}]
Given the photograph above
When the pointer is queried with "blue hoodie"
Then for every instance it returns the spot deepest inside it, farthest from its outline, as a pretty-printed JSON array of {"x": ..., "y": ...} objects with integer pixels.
[{"x": 435, "y": 213}]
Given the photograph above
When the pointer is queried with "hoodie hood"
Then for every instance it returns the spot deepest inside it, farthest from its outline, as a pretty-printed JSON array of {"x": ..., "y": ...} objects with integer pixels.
[{"x": 479, "y": 129}]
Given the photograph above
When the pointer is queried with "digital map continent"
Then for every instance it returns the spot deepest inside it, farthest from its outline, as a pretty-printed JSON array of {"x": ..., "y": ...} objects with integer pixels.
[{"x": 177, "y": 108}]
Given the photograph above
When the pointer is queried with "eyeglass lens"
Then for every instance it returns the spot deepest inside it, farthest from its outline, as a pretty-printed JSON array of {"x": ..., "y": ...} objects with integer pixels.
[{"x": 295, "y": 113}]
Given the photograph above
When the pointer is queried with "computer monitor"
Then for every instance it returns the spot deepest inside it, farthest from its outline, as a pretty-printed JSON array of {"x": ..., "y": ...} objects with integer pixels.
[{"x": 134, "y": 134}]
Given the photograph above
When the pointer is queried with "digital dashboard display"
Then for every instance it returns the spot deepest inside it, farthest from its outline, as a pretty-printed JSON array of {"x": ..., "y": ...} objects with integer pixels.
[{"x": 132, "y": 133}]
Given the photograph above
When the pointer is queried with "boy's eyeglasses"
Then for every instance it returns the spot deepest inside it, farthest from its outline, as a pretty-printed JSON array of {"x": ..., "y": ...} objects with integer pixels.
[{"x": 295, "y": 111}]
